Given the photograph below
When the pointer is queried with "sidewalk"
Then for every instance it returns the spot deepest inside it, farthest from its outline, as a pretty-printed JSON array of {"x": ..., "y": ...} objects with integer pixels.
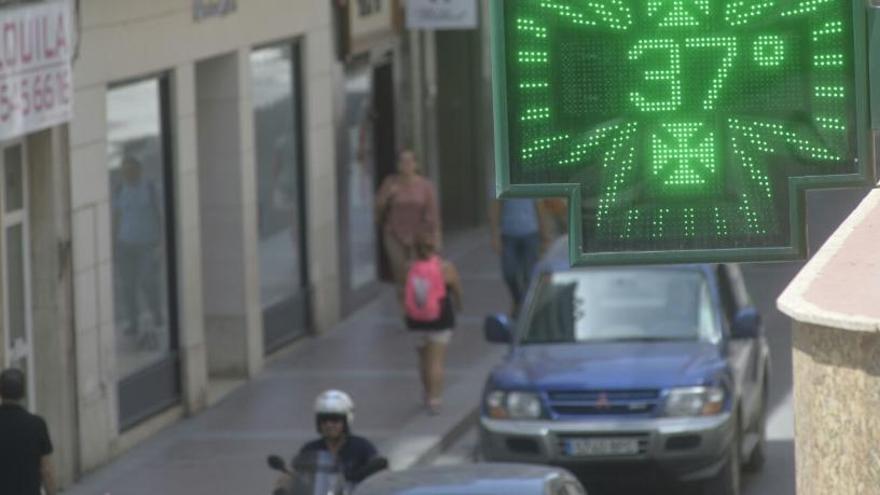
[{"x": 223, "y": 450}]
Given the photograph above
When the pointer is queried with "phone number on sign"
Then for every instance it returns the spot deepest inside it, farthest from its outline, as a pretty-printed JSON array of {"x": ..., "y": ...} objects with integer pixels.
[{"x": 33, "y": 94}]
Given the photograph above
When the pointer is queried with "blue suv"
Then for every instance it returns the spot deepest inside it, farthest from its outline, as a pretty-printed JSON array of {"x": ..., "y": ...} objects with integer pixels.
[{"x": 654, "y": 373}]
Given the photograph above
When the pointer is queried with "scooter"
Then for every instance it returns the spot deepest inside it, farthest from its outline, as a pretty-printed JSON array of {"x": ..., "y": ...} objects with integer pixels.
[{"x": 317, "y": 473}]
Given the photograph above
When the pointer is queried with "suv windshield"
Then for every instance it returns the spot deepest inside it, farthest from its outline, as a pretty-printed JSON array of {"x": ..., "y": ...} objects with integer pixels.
[{"x": 621, "y": 305}]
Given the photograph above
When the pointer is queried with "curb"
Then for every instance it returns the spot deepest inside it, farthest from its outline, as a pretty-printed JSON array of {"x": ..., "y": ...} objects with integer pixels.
[
  {"x": 453, "y": 435},
  {"x": 422, "y": 439}
]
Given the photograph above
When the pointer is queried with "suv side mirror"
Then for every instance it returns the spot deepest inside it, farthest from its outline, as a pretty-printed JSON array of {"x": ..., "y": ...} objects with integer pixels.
[
  {"x": 746, "y": 324},
  {"x": 496, "y": 329}
]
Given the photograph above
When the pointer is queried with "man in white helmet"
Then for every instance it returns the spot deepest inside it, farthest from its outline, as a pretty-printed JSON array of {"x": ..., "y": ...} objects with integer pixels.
[{"x": 334, "y": 415}]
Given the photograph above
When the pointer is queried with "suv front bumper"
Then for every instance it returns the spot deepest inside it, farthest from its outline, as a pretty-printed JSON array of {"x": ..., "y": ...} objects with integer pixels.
[{"x": 684, "y": 449}]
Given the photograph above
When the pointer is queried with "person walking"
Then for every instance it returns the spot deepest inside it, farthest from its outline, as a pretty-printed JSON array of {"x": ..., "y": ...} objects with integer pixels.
[
  {"x": 406, "y": 206},
  {"x": 432, "y": 296},
  {"x": 519, "y": 235},
  {"x": 25, "y": 447}
]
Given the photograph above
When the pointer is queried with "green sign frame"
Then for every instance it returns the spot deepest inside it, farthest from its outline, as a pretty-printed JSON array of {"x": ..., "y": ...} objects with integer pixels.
[{"x": 797, "y": 246}]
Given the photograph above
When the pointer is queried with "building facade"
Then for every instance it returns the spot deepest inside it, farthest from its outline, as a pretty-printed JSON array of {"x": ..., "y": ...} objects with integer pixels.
[
  {"x": 202, "y": 195},
  {"x": 36, "y": 297},
  {"x": 207, "y": 198}
]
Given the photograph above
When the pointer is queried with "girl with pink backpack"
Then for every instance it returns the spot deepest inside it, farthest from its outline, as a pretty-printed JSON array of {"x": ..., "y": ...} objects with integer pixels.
[{"x": 432, "y": 295}]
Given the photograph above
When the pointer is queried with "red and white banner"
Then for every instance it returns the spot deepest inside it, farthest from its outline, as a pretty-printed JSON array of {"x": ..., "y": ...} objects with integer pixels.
[{"x": 36, "y": 86}]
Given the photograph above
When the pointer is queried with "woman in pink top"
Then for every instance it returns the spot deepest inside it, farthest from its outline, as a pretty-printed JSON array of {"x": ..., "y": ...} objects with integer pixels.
[{"x": 407, "y": 207}]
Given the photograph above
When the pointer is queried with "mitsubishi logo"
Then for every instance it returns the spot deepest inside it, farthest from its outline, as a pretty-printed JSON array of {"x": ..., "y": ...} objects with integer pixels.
[{"x": 602, "y": 402}]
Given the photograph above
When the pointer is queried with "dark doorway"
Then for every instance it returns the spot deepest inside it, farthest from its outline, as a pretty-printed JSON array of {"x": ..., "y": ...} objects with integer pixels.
[
  {"x": 385, "y": 139},
  {"x": 460, "y": 130}
]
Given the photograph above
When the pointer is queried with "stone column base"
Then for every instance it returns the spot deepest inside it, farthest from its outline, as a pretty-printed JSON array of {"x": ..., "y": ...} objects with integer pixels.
[{"x": 837, "y": 410}]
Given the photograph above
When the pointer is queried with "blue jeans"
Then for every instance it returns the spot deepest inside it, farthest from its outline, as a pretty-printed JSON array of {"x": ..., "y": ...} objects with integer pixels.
[{"x": 519, "y": 254}]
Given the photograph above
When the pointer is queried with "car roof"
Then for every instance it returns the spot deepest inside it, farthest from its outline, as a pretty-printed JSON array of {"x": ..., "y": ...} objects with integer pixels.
[
  {"x": 472, "y": 479},
  {"x": 557, "y": 260}
]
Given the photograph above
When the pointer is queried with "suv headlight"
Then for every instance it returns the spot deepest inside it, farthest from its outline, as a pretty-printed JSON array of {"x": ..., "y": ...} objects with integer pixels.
[
  {"x": 695, "y": 401},
  {"x": 513, "y": 405}
]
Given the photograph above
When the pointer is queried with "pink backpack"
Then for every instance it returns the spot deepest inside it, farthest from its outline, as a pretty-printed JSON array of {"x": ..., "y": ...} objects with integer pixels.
[{"x": 425, "y": 290}]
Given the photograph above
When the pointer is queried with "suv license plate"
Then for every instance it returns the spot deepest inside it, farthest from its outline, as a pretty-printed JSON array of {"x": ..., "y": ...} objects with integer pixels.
[{"x": 601, "y": 447}]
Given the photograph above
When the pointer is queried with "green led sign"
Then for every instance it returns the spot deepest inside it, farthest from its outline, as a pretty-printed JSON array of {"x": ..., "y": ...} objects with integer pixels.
[{"x": 680, "y": 130}]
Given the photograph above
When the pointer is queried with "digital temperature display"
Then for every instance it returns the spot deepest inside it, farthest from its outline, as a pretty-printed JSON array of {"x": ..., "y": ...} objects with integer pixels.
[{"x": 690, "y": 127}]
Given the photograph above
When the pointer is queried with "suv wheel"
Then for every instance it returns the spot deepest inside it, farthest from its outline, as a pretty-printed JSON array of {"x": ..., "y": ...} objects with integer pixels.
[
  {"x": 728, "y": 480},
  {"x": 758, "y": 456}
]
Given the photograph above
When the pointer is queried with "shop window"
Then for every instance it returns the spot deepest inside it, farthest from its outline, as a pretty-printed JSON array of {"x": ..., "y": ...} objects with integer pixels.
[
  {"x": 142, "y": 237},
  {"x": 280, "y": 176}
]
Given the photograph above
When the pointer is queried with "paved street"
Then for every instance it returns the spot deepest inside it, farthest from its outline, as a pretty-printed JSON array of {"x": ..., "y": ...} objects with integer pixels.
[
  {"x": 223, "y": 450},
  {"x": 766, "y": 281}
]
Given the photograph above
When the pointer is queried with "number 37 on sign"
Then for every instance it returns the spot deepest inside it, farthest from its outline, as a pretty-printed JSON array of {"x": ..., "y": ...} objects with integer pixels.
[{"x": 680, "y": 130}]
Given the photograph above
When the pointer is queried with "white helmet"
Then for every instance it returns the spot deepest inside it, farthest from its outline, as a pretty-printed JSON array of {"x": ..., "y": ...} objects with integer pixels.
[{"x": 335, "y": 402}]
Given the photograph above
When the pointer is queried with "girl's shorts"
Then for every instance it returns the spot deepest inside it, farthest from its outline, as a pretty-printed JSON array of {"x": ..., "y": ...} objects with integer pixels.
[{"x": 422, "y": 338}]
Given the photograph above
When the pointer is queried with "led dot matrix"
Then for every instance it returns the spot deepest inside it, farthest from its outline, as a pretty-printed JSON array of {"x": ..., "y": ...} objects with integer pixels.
[{"x": 681, "y": 120}]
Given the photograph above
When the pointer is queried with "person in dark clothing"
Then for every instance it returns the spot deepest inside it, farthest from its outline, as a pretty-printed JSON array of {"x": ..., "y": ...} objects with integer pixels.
[
  {"x": 25, "y": 447},
  {"x": 352, "y": 456},
  {"x": 334, "y": 414}
]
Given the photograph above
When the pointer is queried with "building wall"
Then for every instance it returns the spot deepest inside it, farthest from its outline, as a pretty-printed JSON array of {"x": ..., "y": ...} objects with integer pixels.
[
  {"x": 127, "y": 39},
  {"x": 53, "y": 346},
  {"x": 227, "y": 197}
]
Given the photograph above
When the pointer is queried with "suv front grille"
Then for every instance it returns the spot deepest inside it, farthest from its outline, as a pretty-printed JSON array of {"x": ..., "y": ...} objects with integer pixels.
[{"x": 603, "y": 403}]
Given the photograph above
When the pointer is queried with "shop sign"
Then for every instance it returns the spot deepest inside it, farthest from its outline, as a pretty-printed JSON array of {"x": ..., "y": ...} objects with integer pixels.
[
  {"x": 370, "y": 22},
  {"x": 203, "y": 9},
  {"x": 441, "y": 14},
  {"x": 36, "y": 86}
]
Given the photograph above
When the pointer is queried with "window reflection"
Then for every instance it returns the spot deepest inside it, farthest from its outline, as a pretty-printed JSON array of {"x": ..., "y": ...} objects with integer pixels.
[
  {"x": 360, "y": 171},
  {"x": 279, "y": 192},
  {"x": 136, "y": 158}
]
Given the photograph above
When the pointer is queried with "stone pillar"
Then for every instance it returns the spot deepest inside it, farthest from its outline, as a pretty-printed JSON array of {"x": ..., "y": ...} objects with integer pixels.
[
  {"x": 837, "y": 410},
  {"x": 835, "y": 304},
  {"x": 321, "y": 180},
  {"x": 230, "y": 254},
  {"x": 189, "y": 249},
  {"x": 51, "y": 289},
  {"x": 94, "y": 340}
]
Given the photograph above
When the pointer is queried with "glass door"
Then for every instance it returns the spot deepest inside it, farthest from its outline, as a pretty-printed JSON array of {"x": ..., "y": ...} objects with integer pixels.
[
  {"x": 16, "y": 263},
  {"x": 280, "y": 200},
  {"x": 139, "y": 159},
  {"x": 359, "y": 177}
]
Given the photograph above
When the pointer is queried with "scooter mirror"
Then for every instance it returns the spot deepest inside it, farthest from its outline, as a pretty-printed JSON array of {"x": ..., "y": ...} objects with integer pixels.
[
  {"x": 373, "y": 466},
  {"x": 378, "y": 464},
  {"x": 277, "y": 463}
]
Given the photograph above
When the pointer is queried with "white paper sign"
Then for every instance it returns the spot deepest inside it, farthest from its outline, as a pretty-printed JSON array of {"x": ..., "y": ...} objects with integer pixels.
[
  {"x": 36, "y": 85},
  {"x": 441, "y": 14}
]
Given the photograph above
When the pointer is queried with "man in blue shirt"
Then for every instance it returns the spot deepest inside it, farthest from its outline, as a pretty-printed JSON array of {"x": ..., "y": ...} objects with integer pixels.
[{"x": 518, "y": 235}]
